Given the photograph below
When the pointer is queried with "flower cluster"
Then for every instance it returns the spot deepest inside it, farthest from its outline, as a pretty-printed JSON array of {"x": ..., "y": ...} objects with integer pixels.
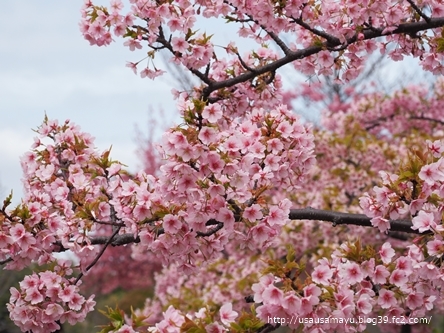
[
  {"x": 171, "y": 25},
  {"x": 354, "y": 282},
  {"x": 216, "y": 187},
  {"x": 416, "y": 193},
  {"x": 219, "y": 171},
  {"x": 45, "y": 300}
]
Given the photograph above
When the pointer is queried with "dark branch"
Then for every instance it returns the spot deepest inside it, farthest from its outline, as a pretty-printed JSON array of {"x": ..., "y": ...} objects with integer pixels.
[
  {"x": 212, "y": 231},
  {"x": 338, "y": 218},
  {"x": 2, "y": 262},
  {"x": 268, "y": 328},
  {"x": 405, "y": 28},
  {"x": 419, "y": 11},
  {"x": 279, "y": 42},
  {"x": 99, "y": 255},
  {"x": 118, "y": 240},
  {"x": 428, "y": 119},
  {"x": 331, "y": 40}
]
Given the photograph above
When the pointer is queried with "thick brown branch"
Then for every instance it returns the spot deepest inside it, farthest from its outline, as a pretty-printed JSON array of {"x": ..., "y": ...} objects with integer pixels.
[
  {"x": 118, "y": 240},
  {"x": 405, "y": 28},
  {"x": 338, "y": 218}
]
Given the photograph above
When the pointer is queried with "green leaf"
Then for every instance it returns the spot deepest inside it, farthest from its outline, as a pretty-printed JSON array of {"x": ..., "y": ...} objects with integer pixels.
[
  {"x": 439, "y": 44},
  {"x": 7, "y": 201}
]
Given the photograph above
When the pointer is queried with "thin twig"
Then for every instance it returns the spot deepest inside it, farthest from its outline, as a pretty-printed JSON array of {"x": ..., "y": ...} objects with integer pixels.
[
  {"x": 419, "y": 11},
  {"x": 96, "y": 259}
]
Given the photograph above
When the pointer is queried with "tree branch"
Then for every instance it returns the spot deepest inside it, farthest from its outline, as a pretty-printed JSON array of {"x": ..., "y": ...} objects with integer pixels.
[
  {"x": 428, "y": 119},
  {"x": 96, "y": 259},
  {"x": 338, "y": 218},
  {"x": 331, "y": 40},
  {"x": 2, "y": 262},
  {"x": 268, "y": 328},
  {"x": 419, "y": 11},
  {"x": 405, "y": 28}
]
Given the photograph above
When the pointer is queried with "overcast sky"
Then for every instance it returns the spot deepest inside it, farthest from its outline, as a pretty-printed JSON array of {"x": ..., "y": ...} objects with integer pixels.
[{"x": 47, "y": 66}]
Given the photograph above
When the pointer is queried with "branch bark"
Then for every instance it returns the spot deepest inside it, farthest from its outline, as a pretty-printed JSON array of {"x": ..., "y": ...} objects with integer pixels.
[
  {"x": 337, "y": 218},
  {"x": 405, "y": 28}
]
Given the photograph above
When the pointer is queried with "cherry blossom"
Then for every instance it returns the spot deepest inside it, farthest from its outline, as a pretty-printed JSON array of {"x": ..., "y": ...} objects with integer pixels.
[{"x": 238, "y": 211}]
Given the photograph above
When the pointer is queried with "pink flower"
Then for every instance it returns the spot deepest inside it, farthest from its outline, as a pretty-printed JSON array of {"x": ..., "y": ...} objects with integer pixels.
[
  {"x": 34, "y": 296},
  {"x": 76, "y": 302},
  {"x": 424, "y": 221},
  {"x": 387, "y": 299},
  {"x": 171, "y": 224},
  {"x": 17, "y": 232},
  {"x": 133, "y": 66},
  {"x": 215, "y": 328},
  {"x": 272, "y": 295},
  {"x": 96, "y": 29},
  {"x": 54, "y": 311},
  {"x": 125, "y": 329},
  {"x": 386, "y": 253},
  {"x": 212, "y": 113},
  {"x": 151, "y": 74},
  {"x": 398, "y": 278},
  {"x": 380, "y": 275},
  {"x": 227, "y": 315},
  {"x": 253, "y": 213},
  {"x": 415, "y": 300},
  {"x": 175, "y": 24},
  {"x": 291, "y": 303},
  {"x": 79, "y": 181},
  {"x": 179, "y": 44},
  {"x": 351, "y": 273},
  {"x": 274, "y": 146},
  {"x": 322, "y": 274},
  {"x": 67, "y": 294},
  {"x": 325, "y": 59},
  {"x": 215, "y": 163},
  {"x": 364, "y": 304},
  {"x": 432, "y": 173},
  {"x": 116, "y": 5},
  {"x": 277, "y": 216},
  {"x": 285, "y": 129},
  {"x": 173, "y": 317},
  {"x": 404, "y": 264},
  {"x": 435, "y": 247},
  {"x": 381, "y": 223},
  {"x": 207, "y": 135},
  {"x": 261, "y": 233},
  {"x": 45, "y": 172},
  {"x": 133, "y": 44}
]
